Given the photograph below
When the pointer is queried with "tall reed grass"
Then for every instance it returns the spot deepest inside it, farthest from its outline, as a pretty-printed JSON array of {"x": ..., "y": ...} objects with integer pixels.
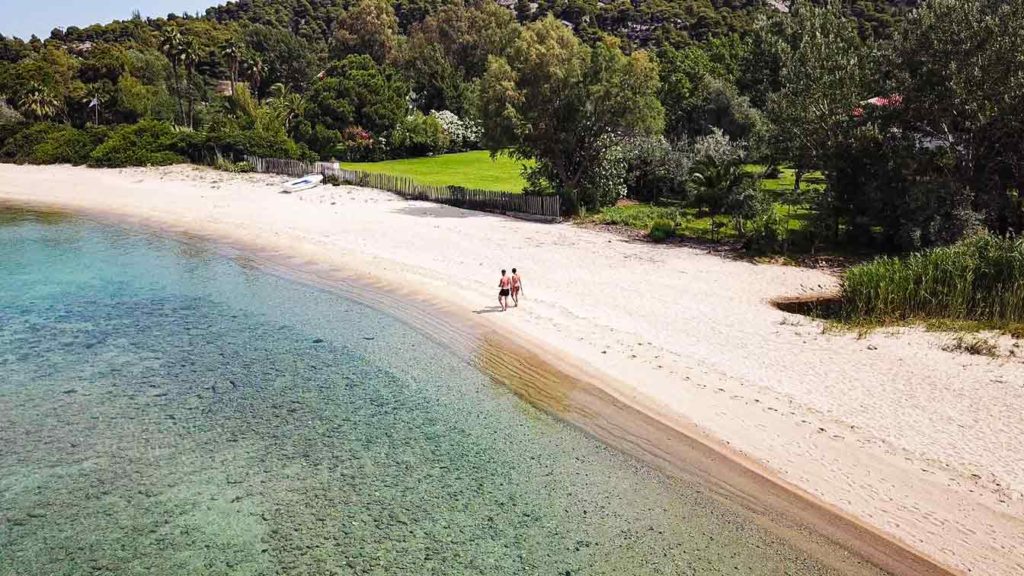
[{"x": 980, "y": 278}]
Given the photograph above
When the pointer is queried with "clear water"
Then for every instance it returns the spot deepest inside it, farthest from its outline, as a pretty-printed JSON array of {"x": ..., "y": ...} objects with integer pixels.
[{"x": 167, "y": 410}]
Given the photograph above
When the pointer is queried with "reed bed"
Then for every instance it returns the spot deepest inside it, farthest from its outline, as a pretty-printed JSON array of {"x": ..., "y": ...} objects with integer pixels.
[{"x": 978, "y": 279}]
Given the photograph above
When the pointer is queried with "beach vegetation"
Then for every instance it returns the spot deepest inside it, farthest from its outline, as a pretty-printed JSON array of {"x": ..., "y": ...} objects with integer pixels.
[
  {"x": 978, "y": 279},
  {"x": 50, "y": 143},
  {"x": 972, "y": 344},
  {"x": 661, "y": 230},
  {"x": 640, "y": 216},
  {"x": 148, "y": 143}
]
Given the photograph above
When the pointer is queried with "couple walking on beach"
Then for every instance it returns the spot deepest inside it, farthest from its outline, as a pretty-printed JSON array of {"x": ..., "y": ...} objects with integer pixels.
[{"x": 509, "y": 285}]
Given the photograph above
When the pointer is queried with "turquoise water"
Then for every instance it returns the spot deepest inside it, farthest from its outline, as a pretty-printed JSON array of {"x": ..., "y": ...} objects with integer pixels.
[{"x": 167, "y": 410}]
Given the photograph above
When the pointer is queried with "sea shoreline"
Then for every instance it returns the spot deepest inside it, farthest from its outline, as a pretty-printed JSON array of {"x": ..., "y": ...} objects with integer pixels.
[
  {"x": 582, "y": 398},
  {"x": 291, "y": 254}
]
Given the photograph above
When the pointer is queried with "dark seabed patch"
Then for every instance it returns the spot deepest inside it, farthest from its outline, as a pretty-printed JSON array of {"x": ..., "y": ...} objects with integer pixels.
[{"x": 164, "y": 410}]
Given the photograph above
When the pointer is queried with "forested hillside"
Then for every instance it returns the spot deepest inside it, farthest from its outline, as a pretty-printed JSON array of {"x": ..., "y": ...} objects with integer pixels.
[{"x": 909, "y": 113}]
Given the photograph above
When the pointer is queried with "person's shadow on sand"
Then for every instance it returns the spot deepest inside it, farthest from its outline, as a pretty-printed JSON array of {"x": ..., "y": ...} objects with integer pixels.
[{"x": 488, "y": 310}]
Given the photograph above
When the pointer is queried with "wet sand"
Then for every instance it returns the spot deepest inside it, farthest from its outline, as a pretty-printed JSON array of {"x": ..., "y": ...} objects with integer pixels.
[{"x": 682, "y": 350}]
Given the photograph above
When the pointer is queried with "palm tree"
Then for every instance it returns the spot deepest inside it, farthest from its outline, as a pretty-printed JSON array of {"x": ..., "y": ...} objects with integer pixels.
[
  {"x": 234, "y": 52},
  {"x": 286, "y": 104},
  {"x": 38, "y": 103},
  {"x": 172, "y": 46},
  {"x": 724, "y": 187},
  {"x": 256, "y": 68},
  {"x": 190, "y": 55}
]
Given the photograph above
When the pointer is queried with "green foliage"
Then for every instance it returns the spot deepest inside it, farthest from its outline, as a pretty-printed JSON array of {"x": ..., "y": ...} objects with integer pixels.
[
  {"x": 828, "y": 71},
  {"x": 309, "y": 21},
  {"x": 957, "y": 66},
  {"x": 148, "y": 143},
  {"x": 639, "y": 216},
  {"x": 237, "y": 143},
  {"x": 38, "y": 103},
  {"x": 662, "y": 230},
  {"x": 699, "y": 94},
  {"x": 8, "y": 115},
  {"x": 369, "y": 27},
  {"x": 767, "y": 231},
  {"x": 656, "y": 169},
  {"x": 721, "y": 183},
  {"x": 584, "y": 104},
  {"x": 537, "y": 181},
  {"x": 48, "y": 143},
  {"x": 221, "y": 163},
  {"x": 980, "y": 278},
  {"x": 567, "y": 105},
  {"x": 43, "y": 83},
  {"x": 358, "y": 92},
  {"x": 241, "y": 126},
  {"x": 447, "y": 52},
  {"x": 277, "y": 56},
  {"x": 419, "y": 135}
]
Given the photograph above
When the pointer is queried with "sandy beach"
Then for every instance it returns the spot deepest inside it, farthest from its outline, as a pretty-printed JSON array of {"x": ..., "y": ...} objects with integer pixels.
[{"x": 921, "y": 443}]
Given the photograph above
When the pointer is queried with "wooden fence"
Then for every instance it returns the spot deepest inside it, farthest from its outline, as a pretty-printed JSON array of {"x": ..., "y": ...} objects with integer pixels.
[
  {"x": 296, "y": 168},
  {"x": 539, "y": 207}
]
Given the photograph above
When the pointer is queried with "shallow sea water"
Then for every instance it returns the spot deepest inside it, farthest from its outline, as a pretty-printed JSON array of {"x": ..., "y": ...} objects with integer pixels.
[{"x": 168, "y": 410}]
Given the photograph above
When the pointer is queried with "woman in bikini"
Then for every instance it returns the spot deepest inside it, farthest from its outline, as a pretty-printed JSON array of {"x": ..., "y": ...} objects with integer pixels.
[
  {"x": 504, "y": 286},
  {"x": 517, "y": 287}
]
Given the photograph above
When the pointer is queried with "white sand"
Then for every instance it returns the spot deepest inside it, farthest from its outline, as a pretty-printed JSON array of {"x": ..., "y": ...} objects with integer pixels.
[{"x": 926, "y": 445}]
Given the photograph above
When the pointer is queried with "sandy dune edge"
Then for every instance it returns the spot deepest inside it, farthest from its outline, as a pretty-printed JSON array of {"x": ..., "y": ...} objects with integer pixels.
[{"x": 919, "y": 442}]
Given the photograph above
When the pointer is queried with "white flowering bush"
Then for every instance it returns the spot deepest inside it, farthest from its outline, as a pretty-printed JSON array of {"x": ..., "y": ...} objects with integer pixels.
[{"x": 463, "y": 133}]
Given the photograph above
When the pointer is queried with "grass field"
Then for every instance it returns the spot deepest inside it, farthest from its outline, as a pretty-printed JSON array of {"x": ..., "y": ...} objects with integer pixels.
[{"x": 473, "y": 169}]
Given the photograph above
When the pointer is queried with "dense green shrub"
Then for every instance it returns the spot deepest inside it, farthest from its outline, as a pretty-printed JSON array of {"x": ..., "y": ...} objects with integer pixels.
[
  {"x": 238, "y": 143},
  {"x": 766, "y": 231},
  {"x": 8, "y": 131},
  {"x": 662, "y": 230},
  {"x": 20, "y": 139},
  {"x": 980, "y": 278},
  {"x": 47, "y": 143},
  {"x": 148, "y": 143},
  {"x": 656, "y": 169},
  {"x": 419, "y": 135}
]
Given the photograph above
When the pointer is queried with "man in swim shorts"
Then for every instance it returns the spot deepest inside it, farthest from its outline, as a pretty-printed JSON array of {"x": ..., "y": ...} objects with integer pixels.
[
  {"x": 517, "y": 287},
  {"x": 504, "y": 285}
]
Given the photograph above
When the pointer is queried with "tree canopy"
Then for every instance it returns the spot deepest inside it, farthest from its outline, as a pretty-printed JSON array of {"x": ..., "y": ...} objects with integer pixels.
[
  {"x": 567, "y": 104},
  {"x": 912, "y": 113}
]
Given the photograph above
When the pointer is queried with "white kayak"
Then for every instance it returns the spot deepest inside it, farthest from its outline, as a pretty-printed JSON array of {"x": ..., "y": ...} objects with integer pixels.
[{"x": 305, "y": 183}]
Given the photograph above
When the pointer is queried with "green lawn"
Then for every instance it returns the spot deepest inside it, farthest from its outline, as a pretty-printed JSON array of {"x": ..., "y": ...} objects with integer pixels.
[
  {"x": 784, "y": 183},
  {"x": 468, "y": 169}
]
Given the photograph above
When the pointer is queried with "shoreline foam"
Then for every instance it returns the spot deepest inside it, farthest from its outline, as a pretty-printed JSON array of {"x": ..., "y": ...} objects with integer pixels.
[{"x": 303, "y": 251}]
